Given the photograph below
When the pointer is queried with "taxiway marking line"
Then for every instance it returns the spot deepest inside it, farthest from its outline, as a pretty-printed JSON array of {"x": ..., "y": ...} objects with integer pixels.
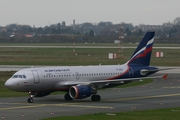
[
  {"x": 77, "y": 105},
  {"x": 171, "y": 87},
  {"x": 85, "y": 106},
  {"x": 44, "y": 105},
  {"x": 21, "y": 107},
  {"x": 88, "y": 106},
  {"x": 146, "y": 97}
]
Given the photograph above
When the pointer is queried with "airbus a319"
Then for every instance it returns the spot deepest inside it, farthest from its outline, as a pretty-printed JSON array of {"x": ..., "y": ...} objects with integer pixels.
[{"x": 80, "y": 82}]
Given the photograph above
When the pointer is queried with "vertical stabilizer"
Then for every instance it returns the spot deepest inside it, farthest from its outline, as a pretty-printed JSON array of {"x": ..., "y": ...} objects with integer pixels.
[{"x": 142, "y": 54}]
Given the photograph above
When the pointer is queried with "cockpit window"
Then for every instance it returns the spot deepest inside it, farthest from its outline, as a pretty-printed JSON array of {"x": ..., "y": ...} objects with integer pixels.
[
  {"x": 19, "y": 76},
  {"x": 15, "y": 76}
]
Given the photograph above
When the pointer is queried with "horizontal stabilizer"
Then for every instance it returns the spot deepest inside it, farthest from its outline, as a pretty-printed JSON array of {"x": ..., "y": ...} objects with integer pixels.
[{"x": 165, "y": 76}]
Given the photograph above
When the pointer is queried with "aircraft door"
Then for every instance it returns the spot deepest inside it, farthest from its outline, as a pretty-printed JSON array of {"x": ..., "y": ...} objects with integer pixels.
[
  {"x": 131, "y": 73},
  {"x": 36, "y": 76},
  {"x": 77, "y": 76}
]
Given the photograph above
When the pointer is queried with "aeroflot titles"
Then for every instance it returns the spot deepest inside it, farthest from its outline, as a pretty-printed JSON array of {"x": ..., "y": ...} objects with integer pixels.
[
  {"x": 67, "y": 70},
  {"x": 58, "y": 70}
]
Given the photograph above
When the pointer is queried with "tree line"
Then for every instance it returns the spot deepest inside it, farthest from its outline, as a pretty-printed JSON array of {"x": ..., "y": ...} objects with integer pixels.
[{"x": 104, "y": 32}]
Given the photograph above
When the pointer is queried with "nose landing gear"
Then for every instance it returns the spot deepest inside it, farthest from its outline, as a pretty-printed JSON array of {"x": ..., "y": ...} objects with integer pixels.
[{"x": 31, "y": 100}]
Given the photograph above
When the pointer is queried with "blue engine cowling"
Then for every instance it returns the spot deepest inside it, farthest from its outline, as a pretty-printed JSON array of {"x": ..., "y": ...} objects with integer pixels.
[{"x": 80, "y": 92}]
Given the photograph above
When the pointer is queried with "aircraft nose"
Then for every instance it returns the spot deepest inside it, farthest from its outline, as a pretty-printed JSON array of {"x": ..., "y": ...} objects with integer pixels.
[{"x": 9, "y": 84}]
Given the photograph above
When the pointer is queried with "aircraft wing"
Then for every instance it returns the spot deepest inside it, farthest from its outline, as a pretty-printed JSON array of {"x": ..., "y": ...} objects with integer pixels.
[
  {"x": 127, "y": 79},
  {"x": 71, "y": 83}
]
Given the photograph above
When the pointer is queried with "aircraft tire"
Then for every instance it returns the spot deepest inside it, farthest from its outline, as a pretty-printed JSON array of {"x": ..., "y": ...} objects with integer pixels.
[
  {"x": 95, "y": 97},
  {"x": 67, "y": 97},
  {"x": 30, "y": 100}
]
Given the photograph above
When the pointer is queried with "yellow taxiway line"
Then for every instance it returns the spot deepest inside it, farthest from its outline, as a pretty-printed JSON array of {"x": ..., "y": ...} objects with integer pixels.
[
  {"x": 80, "y": 104},
  {"x": 146, "y": 97}
]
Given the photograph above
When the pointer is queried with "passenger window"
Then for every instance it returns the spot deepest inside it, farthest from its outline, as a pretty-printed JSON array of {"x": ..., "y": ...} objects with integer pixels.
[{"x": 24, "y": 76}]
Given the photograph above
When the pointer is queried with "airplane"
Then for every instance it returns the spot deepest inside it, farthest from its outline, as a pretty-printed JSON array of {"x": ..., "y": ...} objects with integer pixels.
[{"x": 81, "y": 82}]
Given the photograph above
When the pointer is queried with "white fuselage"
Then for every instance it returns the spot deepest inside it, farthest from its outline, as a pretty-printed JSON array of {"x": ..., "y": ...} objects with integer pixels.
[{"x": 56, "y": 78}]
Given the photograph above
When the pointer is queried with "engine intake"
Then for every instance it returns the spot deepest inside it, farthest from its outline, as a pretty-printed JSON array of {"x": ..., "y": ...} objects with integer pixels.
[{"x": 80, "y": 92}]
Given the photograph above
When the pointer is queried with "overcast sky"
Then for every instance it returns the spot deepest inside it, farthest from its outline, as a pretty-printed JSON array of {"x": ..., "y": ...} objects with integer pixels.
[{"x": 46, "y": 12}]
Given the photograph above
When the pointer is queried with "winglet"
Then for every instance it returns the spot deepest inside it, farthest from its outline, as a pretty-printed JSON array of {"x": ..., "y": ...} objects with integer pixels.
[{"x": 165, "y": 76}]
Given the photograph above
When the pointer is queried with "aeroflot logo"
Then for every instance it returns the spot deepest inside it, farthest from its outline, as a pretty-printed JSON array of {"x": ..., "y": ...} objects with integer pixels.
[{"x": 57, "y": 70}]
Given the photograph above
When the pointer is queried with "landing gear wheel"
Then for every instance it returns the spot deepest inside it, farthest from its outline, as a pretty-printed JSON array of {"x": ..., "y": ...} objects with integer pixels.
[
  {"x": 30, "y": 100},
  {"x": 95, "y": 97},
  {"x": 67, "y": 97}
]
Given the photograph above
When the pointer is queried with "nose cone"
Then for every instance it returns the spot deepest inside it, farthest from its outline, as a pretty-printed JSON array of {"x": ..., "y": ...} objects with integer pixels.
[{"x": 9, "y": 84}]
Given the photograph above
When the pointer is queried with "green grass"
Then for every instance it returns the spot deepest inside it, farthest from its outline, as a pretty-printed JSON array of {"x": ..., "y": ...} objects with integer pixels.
[
  {"x": 159, "y": 114},
  {"x": 85, "y": 56},
  {"x": 83, "y": 44}
]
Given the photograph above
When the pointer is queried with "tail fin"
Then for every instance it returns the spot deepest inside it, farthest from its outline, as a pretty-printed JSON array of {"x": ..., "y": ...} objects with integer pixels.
[{"x": 142, "y": 54}]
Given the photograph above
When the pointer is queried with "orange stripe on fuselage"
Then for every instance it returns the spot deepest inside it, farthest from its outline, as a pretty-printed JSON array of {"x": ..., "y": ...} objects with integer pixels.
[{"x": 116, "y": 77}]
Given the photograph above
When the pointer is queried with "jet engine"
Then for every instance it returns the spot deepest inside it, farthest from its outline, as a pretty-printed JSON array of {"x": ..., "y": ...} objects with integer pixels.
[{"x": 80, "y": 92}]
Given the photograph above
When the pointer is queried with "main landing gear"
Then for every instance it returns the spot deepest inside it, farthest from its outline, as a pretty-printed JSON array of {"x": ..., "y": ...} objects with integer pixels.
[
  {"x": 30, "y": 100},
  {"x": 67, "y": 97},
  {"x": 95, "y": 97}
]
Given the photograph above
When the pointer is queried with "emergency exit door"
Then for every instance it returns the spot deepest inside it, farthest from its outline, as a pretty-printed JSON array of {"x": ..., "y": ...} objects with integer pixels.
[{"x": 36, "y": 76}]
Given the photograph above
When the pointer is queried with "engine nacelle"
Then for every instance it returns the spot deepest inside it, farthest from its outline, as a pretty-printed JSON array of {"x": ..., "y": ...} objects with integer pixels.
[
  {"x": 41, "y": 94},
  {"x": 80, "y": 92}
]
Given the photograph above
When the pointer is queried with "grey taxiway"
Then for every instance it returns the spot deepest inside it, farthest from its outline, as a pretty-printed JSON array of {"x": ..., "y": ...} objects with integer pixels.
[{"x": 158, "y": 94}]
